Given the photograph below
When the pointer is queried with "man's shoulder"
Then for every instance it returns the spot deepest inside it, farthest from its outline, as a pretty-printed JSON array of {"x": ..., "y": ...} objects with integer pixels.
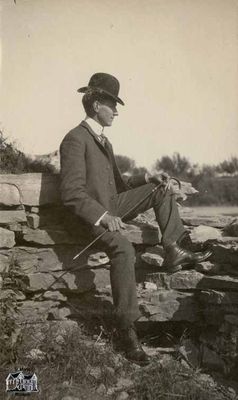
[{"x": 78, "y": 133}]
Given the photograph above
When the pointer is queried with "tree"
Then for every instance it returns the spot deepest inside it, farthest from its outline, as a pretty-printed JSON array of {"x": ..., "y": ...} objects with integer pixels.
[
  {"x": 229, "y": 166},
  {"x": 208, "y": 171},
  {"x": 125, "y": 163},
  {"x": 175, "y": 166},
  {"x": 139, "y": 171}
]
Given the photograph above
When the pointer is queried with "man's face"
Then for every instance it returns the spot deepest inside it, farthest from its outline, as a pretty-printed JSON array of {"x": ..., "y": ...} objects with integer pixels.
[{"x": 106, "y": 111}]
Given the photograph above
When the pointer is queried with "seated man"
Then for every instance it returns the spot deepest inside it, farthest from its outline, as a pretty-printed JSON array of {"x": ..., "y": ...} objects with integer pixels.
[{"x": 96, "y": 197}]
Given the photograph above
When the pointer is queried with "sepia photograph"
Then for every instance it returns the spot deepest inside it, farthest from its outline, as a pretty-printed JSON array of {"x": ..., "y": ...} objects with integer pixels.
[{"x": 119, "y": 199}]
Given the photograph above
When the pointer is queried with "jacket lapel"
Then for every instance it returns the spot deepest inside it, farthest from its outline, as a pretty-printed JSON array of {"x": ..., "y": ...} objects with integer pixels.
[
  {"x": 108, "y": 151},
  {"x": 89, "y": 129}
]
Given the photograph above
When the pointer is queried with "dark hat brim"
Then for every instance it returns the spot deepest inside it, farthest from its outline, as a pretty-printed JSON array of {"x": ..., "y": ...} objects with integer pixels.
[{"x": 85, "y": 88}]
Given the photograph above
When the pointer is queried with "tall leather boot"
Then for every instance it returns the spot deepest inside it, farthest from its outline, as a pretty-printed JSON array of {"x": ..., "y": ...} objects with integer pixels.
[{"x": 132, "y": 347}]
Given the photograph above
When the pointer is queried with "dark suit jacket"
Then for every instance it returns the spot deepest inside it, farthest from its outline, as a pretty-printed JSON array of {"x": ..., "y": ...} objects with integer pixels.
[{"x": 90, "y": 178}]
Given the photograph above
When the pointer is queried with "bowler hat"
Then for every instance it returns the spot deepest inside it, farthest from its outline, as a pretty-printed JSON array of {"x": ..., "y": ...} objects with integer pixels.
[{"x": 104, "y": 83}]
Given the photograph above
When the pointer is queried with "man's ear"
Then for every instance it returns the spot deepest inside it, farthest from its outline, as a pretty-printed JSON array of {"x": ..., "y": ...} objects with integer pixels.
[{"x": 96, "y": 106}]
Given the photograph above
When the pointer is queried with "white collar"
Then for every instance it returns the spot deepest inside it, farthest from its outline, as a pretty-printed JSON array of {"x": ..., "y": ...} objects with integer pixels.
[{"x": 94, "y": 125}]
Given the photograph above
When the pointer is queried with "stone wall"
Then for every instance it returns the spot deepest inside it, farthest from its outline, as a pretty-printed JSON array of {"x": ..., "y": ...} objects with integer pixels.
[
  {"x": 35, "y": 246},
  {"x": 35, "y": 250}
]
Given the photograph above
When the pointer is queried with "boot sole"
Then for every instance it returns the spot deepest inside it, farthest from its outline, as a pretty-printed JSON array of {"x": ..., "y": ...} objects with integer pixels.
[{"x": 173, "y": 270}]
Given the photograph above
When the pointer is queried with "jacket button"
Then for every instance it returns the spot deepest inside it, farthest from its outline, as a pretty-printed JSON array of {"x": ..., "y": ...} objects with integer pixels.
[{"x": 110, "y": 183}]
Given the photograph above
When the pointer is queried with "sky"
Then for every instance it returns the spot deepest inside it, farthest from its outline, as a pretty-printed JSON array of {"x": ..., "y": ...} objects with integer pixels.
[{"x": 176, "y": 60}]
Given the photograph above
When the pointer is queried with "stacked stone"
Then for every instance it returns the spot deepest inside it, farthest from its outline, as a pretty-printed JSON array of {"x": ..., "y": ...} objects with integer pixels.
[
  {"x": 206, "y": 296},
  {"x": 35, "y": 245}
]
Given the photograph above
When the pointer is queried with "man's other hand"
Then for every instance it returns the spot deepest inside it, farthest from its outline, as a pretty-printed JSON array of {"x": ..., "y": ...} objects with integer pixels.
[
  {"x": 159, "y": 178},
  {"x": 112, "y": 223}
]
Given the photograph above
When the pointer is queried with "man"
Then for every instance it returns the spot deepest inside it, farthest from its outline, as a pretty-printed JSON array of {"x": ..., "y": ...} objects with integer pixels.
[{"x": 96, "y": 197}]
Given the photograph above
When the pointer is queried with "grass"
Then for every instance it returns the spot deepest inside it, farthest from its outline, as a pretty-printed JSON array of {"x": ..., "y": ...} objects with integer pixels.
[
  {"x": 79, "y": 365},
  {"x": 173, "y": 380}
]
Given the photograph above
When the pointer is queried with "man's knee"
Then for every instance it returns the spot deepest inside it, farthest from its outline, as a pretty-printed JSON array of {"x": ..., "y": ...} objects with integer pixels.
[
  {"x": 123, "y": 245},
  {"x": 163, "y": 194},
  {"x": 119, "y": 244}
]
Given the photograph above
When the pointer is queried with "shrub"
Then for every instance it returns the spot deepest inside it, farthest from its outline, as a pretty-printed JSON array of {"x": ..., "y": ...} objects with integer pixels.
[
  {"x": 9, "y": 329},
  {"x": 13, "y": 161},
  {"x": 215, "y": 191}
]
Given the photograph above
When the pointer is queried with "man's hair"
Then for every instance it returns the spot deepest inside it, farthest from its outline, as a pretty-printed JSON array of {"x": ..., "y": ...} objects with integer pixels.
[{"x": 90, "y": 97}]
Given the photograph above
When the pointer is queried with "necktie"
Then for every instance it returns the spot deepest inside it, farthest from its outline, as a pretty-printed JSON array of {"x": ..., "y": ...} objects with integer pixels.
[{"x": 103, "y": 139}]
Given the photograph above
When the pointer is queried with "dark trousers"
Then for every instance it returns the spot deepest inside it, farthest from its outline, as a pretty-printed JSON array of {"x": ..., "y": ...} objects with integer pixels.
[{"x": 121, "y": 252}]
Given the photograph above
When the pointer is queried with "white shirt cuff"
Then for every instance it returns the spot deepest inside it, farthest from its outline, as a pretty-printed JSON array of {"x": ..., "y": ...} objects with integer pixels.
[{"x": 97, "y": 223}]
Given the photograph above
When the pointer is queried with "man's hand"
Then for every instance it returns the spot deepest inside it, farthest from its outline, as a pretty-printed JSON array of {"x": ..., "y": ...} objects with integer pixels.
[
  {"x": 112, "y": 223},
  {"x": 159, "y": 178}
]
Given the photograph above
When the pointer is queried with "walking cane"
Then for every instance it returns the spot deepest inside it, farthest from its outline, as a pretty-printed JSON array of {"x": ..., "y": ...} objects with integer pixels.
[{"x": 132, "y": 209}]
